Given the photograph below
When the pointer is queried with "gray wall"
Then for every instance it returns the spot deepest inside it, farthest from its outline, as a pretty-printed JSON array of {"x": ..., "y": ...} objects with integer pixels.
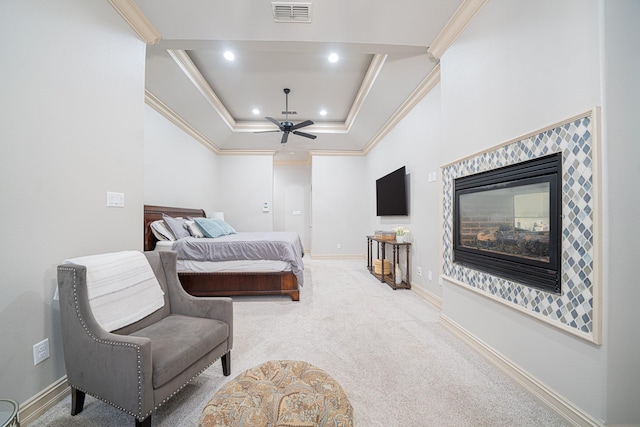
[
  {"x": 518, "y": 67},
  {"x": 72, "y": 129},
  {"x": 292, "y": 200},
  {"x": 621, "y": 174},
  {"x": 506, "y": 94},
  {"x": 416, "y": 144},
  {"x": 178, "y": 171},
  {"x": 339, "y": 206},
  {"x": 244, "y": 184}
]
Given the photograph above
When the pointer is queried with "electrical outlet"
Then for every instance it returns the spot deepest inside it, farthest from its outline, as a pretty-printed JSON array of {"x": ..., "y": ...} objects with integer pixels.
[
  {"x": 419, "y": 271},
  {"x": 440, "y": 281},
  {"x": 339, "y": 245},
  {"x": 41, "y": 351},
  {"x": 430, "y": 275}
]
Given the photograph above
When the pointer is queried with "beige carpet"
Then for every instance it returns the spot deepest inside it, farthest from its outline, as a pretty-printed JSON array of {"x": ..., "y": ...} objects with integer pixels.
[{"x": 397, "y": 365}]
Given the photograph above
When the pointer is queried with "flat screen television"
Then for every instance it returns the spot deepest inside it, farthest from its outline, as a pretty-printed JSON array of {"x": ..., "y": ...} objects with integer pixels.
[{"x": 391, "y": 194}]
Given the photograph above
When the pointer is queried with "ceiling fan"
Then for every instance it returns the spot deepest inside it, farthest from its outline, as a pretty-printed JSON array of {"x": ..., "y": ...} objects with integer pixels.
[{"x": 287, "y": 127}]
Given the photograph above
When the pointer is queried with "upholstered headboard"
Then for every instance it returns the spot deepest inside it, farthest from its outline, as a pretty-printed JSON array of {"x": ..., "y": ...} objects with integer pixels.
[{"x": 153, "y": 213}]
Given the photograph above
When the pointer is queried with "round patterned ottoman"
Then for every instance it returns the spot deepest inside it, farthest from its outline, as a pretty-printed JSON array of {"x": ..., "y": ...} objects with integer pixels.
[{"x": 279, "y": 393}]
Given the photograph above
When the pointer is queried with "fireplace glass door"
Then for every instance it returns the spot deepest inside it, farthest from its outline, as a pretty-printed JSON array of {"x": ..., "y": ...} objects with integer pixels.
[
  {"x": 512, "y": 220},
  {"x": 507, "y": 222}
]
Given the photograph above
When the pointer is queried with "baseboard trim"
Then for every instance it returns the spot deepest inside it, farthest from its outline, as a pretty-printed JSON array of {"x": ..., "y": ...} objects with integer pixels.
[
  {"x": 33, "y": 408},
  {"x": 565, "y": 409},
  {"x": 432, "y": 298}
]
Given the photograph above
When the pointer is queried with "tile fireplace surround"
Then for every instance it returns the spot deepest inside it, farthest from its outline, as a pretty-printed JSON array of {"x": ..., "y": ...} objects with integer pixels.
[{"x": 577, "y": 308}]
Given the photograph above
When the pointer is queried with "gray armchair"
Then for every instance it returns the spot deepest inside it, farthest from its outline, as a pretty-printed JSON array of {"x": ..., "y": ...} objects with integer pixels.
[{"x": 138, "y": 367}]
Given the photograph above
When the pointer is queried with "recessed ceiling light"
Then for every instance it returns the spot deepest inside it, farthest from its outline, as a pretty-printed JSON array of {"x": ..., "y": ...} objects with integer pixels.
[
  {"x": 229, "y": 56},
  {"x": 333, "y": 57},
  {"x": 323, "y": 112},
  {"x": 255, "y": 111}
]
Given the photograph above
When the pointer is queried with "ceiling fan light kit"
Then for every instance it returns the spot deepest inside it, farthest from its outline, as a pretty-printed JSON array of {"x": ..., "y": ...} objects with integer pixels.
[{"x": 288, "y": 127}]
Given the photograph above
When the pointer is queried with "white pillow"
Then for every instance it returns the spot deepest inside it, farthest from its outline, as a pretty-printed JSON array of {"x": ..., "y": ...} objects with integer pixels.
[
  {"x": 161, "y": 231},
  {"x": 193, "y": 228}
]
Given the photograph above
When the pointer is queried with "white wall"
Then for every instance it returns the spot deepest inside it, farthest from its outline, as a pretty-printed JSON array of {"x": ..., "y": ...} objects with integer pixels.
[
  {"x": 72, "y": 129},
  {"x": 339, "y": 206},
  {"x": 244, "y": 184},
  {"x": 621, "y": 107},
  {"x": 292, "y": 200},
  {"x": 415, "y": 143},
  {"x": 178, "y": 171},
  {"x": 518, "y": 67}
]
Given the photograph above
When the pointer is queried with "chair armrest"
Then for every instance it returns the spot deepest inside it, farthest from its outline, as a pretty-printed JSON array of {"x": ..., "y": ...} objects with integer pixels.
[
  {"x": 115, "y": 368},
  {"x": 218, "y": 308}
]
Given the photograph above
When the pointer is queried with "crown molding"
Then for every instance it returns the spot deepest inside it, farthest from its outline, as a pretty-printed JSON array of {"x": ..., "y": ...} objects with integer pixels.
[
  {"x": 335, "y": 153},
  {"x": 187, "y": 66},
  {"x": 152, "y": 101},
  {"x": 458, "y": 22},
  {"x": 425, "y": 86},
  {"x": 182, "y": 59},
  {"x": 261, "y": 126},
  {"x": 247, "y": 152},
  {"x": 137, "y": 20},
  {"x": 367, "y": 84}
]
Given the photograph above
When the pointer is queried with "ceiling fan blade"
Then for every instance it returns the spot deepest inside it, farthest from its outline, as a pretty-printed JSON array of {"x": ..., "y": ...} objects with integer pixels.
[
  {"x": 306, "y": 135},
  {"x": 302, "y": 124},
  {"x": 285, "y": 136},
  {"x": 267, "y": 131},
  {"x": 275, "y": 122}
]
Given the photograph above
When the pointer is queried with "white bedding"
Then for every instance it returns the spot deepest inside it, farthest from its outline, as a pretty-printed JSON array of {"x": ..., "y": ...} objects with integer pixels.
[{"x": 261, "y": 266}]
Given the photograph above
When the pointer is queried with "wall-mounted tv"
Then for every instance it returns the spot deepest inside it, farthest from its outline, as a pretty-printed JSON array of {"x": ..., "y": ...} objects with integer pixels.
[{"x": 391, "y": 194}]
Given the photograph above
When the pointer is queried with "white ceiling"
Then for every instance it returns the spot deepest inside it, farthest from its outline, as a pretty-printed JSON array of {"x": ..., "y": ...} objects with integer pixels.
[{"x": 382, "y": 48}]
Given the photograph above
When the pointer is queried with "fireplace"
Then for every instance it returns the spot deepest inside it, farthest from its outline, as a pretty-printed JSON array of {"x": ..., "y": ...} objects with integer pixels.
[{"x": 507, "y": 222}]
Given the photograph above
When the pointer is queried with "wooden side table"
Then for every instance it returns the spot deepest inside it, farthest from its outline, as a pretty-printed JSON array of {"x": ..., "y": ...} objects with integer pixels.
[
  {"x": 9, "y": 413},
  {"x": 381, "y": 254}
]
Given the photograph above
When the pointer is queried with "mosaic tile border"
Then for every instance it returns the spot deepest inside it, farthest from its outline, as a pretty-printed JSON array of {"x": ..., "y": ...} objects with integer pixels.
[{"x": 573, "y": 309}]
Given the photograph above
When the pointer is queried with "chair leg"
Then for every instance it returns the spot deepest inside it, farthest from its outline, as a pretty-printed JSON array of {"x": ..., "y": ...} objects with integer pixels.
[
  {"x": 77, "y": 401},
  {"x": 144, "y": 423},
  {"x": 226, "y": 364}
]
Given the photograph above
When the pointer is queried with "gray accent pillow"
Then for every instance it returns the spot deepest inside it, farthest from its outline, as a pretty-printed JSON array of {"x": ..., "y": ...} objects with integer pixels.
[{"x": 176, "y": 225}]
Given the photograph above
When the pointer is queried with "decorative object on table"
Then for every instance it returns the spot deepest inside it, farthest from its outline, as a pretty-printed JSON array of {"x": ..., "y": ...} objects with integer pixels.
[
  {"x": 385, "y": 235},
  {"x": 400, "y": 234},
  {"x": 394, "y": 258},
  {"x": 279, "y": 393},
  {"x": 398, "y": 274},
  {"x": 377, "y": 267}
]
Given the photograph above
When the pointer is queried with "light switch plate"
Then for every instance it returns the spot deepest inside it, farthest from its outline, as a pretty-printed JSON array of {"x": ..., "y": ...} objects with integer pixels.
[{"x": 115, "y": 200}]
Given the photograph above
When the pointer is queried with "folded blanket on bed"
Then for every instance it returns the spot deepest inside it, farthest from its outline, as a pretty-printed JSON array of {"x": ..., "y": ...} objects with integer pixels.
[{"x": 121, "y": 286}]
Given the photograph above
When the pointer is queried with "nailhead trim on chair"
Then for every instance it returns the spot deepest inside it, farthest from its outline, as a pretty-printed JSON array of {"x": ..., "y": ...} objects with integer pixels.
[{"x": 137, "y": 347}]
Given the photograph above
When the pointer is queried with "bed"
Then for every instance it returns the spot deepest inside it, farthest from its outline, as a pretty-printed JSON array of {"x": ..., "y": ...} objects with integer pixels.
[{"x": 228, "y": 281}]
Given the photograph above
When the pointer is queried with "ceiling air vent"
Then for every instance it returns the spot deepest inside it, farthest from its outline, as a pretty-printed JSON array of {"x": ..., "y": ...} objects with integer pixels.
[{"x": 291, "y": 12}]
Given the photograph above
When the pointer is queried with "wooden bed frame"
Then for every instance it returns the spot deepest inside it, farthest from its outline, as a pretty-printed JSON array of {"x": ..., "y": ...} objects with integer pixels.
[{"x": 221, "y": 284}]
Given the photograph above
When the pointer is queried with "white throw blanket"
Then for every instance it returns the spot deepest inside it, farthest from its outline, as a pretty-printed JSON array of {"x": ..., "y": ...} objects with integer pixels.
[{"x": 121, "y": 286}]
